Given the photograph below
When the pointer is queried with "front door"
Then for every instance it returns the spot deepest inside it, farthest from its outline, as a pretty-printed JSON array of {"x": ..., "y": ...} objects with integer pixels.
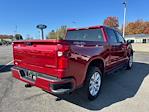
[{"x": 117, "y": 49}]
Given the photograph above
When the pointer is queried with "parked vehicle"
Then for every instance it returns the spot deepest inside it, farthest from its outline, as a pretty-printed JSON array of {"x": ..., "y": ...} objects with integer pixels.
[
  {"x": 5, "y": 43},
  {"x": 81, "y": 60}
]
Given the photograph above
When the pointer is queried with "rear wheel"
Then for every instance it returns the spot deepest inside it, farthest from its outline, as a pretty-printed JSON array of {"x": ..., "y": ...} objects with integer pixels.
[{"x": 93, "y": 82}]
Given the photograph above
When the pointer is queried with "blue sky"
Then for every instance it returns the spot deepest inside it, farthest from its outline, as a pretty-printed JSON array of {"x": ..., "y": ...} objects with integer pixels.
[{"x": 26, "y": 14}]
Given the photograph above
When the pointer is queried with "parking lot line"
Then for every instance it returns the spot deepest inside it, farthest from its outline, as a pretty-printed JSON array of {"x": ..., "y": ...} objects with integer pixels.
[{"x": 6, "y": 65}]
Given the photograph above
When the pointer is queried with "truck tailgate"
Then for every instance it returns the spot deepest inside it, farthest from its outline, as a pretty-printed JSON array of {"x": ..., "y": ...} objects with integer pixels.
[{"x": 35, "y": 55}]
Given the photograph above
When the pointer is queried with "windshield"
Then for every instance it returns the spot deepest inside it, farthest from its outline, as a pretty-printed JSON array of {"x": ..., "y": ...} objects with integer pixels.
[{"x": 85, "y": 35}]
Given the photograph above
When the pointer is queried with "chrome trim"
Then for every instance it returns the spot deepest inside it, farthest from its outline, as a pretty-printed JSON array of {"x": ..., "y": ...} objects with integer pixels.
[
  {"x": 50, "y": 66},
  {"x": 14, "y": 68},
  {"x": 39, "y": 75}
]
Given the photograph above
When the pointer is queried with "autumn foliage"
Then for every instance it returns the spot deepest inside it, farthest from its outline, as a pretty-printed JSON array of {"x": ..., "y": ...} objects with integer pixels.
[
  {"x": 112, "y": 22},
  {"x": 137, "y": 27},
  {"x": 6, "y": 36},
  {"x": 58, "y": 34}
]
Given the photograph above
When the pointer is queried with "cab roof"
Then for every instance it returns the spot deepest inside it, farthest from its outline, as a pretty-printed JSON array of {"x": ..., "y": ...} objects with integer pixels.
[{"x": 91, "y": 27}]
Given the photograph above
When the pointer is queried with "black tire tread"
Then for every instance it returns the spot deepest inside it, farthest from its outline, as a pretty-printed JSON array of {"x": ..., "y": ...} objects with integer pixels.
[{"x": 89, "y": 75}]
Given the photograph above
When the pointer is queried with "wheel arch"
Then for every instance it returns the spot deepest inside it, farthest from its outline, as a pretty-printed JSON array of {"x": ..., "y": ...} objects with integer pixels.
[{"x": 98, "y": 62}]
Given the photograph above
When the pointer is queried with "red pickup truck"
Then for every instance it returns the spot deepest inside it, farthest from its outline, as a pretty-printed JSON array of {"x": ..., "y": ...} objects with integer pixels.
[{"x": 80, "y": 60}]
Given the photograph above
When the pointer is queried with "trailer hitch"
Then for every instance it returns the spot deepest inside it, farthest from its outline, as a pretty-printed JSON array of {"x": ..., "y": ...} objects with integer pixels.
[{"x": 28, "y": 85}]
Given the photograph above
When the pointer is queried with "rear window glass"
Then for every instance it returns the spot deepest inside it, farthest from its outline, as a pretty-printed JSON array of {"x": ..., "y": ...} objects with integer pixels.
[{"x": 85, "y": 35}]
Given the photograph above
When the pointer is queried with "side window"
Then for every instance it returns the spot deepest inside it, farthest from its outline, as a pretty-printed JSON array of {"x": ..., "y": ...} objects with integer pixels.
[
  {"x": 111, "y": 35},
  {"x": 120, "y": 38}
]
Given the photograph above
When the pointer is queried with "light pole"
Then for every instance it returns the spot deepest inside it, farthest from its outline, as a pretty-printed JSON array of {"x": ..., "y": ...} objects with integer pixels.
[{"x": 124, "y": 23}]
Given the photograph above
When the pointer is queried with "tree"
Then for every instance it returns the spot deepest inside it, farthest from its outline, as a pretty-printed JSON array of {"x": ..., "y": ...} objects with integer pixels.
[
  {"x": 146, "y": 30},
  {"x": 58, "y": 34},
  {"x": 112, "y": 22},
  {"x": 18, "y": 37},
  {"x": 61, "y": 32},
  {"x": 52, "y": 35},
  {"x": 137, "y": 27}
]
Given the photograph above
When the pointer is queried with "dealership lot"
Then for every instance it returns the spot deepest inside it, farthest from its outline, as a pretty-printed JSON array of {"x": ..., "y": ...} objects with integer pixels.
[{"x": 123, "y": 91}]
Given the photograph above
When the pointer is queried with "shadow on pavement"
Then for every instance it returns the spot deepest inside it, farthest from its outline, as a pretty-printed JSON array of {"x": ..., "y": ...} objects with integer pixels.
[
  {"x": 5, "y": 69},
  {"x": 116, "y": 87}
]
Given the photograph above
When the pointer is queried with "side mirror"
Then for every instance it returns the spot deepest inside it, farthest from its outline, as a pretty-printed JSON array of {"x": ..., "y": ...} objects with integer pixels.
[{"x": 130, "y": 41}]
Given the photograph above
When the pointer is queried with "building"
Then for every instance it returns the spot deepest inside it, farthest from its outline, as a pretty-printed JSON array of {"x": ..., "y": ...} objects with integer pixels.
[
  {"x": 6, "y": 38},
  {"x": 138, "y": 38}
]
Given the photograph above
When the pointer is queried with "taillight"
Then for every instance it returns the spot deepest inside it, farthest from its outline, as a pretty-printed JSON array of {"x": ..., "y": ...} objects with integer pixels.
[{"x": 62, "y": 54}]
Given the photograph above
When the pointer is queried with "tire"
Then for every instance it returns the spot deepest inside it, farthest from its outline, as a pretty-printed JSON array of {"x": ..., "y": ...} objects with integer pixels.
[
  {"x": 93, "y": 83},
  {"x": 130, "y": 62}
]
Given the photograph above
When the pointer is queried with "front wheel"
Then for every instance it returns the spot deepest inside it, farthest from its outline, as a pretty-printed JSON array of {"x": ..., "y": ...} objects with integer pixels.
[
  {"x": 93, "y": 82},
  {"x": 130, "y": 62}
]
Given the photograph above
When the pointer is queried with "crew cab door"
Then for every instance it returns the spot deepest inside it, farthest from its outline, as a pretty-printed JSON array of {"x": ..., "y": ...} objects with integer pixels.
[
  {"x": 117, "y": 49},
  {"x": 123, "y": 46}
]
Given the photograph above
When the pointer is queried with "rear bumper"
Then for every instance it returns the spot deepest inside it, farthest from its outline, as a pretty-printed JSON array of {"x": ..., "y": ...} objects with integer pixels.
[{"x": 46, "y": 82}]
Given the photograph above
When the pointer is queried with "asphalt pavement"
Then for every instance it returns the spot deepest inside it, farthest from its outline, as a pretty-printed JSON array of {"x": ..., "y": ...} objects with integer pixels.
[{"x": 123, "y": 91}]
